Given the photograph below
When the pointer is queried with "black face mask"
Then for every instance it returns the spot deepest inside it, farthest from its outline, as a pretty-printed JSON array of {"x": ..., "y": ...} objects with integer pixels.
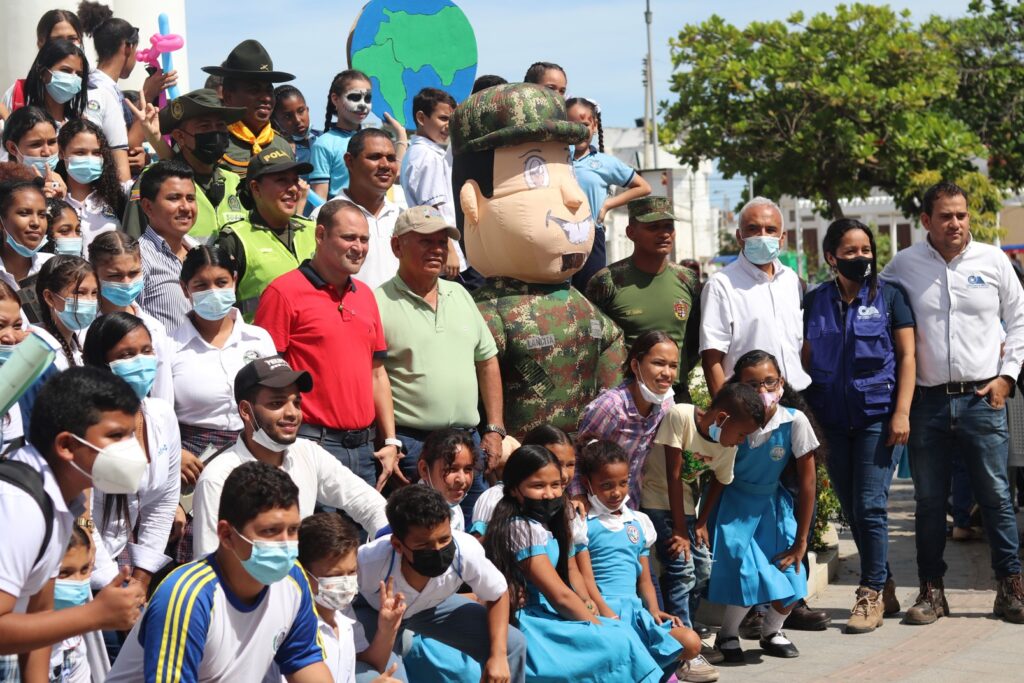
[
  {"x": 542, "y": 510},
  {"x": 856, "y": 269},
  {"x": 210, "y": 146},
  {"x": 433, "y": 563}
]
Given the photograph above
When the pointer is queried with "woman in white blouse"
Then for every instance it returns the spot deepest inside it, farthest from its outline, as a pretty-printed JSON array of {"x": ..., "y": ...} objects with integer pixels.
[
  {"x": 140, "y": 523},
  {"x": 87, "y": 167}
]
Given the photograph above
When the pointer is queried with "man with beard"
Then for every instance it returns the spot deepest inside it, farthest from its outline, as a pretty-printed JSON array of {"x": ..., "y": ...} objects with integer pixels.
[{"x": 198, "y": 124}]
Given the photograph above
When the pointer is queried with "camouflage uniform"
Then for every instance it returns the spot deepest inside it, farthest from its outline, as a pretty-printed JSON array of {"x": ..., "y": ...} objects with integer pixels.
[{"x": 556, "y": 351}]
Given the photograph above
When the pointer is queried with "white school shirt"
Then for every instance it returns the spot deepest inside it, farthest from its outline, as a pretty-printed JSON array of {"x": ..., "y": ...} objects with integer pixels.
[
  {"x": 151, "y": 510},
  {"x": 37, "y": 262},
  {"x": 340, "y": 649},
  {"x": 959, "y": 307},
  {"x": 742, "y": 309},
  {"x": 23, "y": 530},
  {"x": 483, "y": 508},
  {"x": 104, "y": 108},
  {"x": 801, "y": 437},
  {"x": 96, "y": 216},
  {"x": 204, "y": 376},
  {"x": 381, "y": 264},
  {"x": 615, "y": 523},
  {"x": 317, "y": 474},
  {"x": 427, "y": 181},
  {"x": 378, "y": 561}
]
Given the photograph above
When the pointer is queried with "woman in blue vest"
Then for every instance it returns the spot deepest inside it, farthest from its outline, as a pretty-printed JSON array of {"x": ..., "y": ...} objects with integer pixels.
[{"x": 859, "y": 351}]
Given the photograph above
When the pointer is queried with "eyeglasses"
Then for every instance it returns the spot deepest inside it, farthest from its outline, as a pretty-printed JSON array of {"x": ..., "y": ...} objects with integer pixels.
[{"x": 771, "y": 384}]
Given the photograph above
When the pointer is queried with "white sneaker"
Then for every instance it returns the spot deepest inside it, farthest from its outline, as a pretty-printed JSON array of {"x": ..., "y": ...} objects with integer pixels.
[{"x": 697, "y": 670}]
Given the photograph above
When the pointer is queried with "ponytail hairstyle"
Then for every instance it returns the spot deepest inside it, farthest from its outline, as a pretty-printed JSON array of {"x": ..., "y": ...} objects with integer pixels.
[
  {"x": 538, "y": 69},
  {"x": 53, "y": 17},
  {"x": 498, "y": 543},
  {"x": 640, "y": 348},
  {"x": 107, "y": 186},
  {"x": 546, "y": 435},
  {"x": 595, "y": 112},
  {"x": 599, "y": 453},
  {"x": 338, "y": 86},
  {"x": 109, "y": 34},
  {"x": 834, "y": 235},
  {"x": 791, "y": 398},
  {"x": 55, "y": 276},
  {"x": 49, "y": 54},
  {"x": 282, "y": 93},
  {"x": 110, "y": 244},
  {"x": 204, "y": 255}
]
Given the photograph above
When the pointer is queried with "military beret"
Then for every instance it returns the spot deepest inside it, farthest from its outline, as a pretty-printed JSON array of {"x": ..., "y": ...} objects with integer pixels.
[
  {"x": 510, "y": 114},
  {"x": 650, "y": 209}
]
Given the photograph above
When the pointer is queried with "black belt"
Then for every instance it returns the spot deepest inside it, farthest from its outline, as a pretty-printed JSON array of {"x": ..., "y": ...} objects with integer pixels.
[
  {"x": 422, "y": 434},
  {"x": 348, "y": 438},
  {"x": 958, "y": 388}
]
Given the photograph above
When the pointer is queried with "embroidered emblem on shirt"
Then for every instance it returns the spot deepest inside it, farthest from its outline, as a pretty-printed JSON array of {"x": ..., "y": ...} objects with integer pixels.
[
  {"x": 595, "y": 328},
  {"x": 682, "y": 309},
  {"x": 93, "y": 105},
  {"x": 540, "y": 341},
  {"x": 976, "y": 282},
  {"x": 595, "y": 164},
  {"x": 251, "y": 355},
  {"x": 234, "y": 204},
  {"x": 868, "y": 312},
  {"x": 279, "y": 639},
  {"x": 777, "y": 453},
  {"x": 633, "y": 534}
]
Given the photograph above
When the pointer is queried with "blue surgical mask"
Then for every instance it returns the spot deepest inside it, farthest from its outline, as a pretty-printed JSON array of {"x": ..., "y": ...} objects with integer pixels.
[
  {"x": 715, "y": 430},
  {"x": 63, "y": 86},
  {"x": 85, "y": 170},
  {"x": 5, "y": 352},
  {"x": 68, "y": 593},
  {"x": 122, "y": 294},
  {"x": 21, "y": 250},
  {"x": 213, "y": 304},
  {"x": 41, "y": 164},
  {"x": 139, "y": 371},
  {"x": 78, "y": 314},
  {"x": 270, "y": 561},
  {"x": 68, "y": 246},
  {"x": 761, "y": 250}
]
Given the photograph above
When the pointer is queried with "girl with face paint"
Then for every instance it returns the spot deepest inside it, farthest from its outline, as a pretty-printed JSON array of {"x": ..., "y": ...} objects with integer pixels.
[
  {"x": 529, "y": 541},
  {"x": 87, "y": 167}
]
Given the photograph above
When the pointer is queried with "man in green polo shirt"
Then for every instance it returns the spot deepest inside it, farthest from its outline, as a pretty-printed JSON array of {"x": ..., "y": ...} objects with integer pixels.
[
  {"x": 647, "y": 291},
  {"x": 441, "y": 355},
  {"x": 198, "y": 124}
]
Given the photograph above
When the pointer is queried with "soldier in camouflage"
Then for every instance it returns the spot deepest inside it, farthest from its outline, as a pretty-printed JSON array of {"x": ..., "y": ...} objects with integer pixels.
[{"x": 527, "y": 228}]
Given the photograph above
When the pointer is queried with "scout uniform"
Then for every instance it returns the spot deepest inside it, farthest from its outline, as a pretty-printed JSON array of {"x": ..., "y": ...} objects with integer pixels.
[
  {"x": 250, "y": 61},
  {"x": 217, "y": 195},
  {"x": 262, "y": 253},
  {"x": 641, "y": 302}
]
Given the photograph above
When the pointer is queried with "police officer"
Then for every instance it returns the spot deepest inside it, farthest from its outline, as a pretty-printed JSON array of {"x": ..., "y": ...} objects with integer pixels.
[
  {"x": 249, "y": 79},
  {"x": 197, "y": 122},
  {"x": 271, "y": 240},
  {"x": 859, "y": 351}
]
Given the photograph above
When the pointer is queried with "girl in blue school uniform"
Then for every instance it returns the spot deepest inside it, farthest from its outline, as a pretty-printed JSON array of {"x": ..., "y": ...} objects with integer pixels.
[
  {"x": 529, "y": 540},
  {"x": 620, "y": 540},
  {"x": 757, "y": 536}
]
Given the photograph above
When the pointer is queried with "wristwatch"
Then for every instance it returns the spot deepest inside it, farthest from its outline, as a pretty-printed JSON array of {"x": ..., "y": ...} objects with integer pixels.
[
  {"x": 393, "y": 442},
  {"x": 497, "y": 429}
]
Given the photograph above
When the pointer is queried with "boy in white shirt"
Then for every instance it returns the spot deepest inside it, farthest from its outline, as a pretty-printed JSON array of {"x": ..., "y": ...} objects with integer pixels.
[
  {"x": 82, "y": 435},
  {"x": 428, "y": 563}
]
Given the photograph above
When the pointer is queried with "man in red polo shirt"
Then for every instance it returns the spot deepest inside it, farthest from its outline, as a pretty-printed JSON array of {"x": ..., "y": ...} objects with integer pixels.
[{"x": 325, "y": 321}]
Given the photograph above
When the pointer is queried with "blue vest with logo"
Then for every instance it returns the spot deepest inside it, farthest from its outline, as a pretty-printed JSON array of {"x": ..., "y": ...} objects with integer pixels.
[{"x": 853, "y": 359}]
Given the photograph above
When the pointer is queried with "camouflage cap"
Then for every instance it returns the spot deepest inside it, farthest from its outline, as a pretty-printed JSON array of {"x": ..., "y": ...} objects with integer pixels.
[
  {"x": 202, "y": 102},
  {"x": 650, "y": 209},
  {"x": 511, "y": 114}
]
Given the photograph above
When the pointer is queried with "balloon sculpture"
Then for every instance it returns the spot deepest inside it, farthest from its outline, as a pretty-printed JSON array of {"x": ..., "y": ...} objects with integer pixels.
[{"x": 158, "y": 54}]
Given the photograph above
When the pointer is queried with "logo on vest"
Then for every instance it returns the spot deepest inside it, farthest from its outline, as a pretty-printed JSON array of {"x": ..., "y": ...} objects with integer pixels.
[
  {"x": 976, "y": 282},
  {"x": 777, "y": 453},
  {"x": 868, "y": 313},
  {"x": 633, "y": 534},
  {"x": 681, "y": 309}
]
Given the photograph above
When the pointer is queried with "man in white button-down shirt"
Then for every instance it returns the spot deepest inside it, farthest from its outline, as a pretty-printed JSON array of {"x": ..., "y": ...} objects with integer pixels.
[{"x": 964, "y": 293}]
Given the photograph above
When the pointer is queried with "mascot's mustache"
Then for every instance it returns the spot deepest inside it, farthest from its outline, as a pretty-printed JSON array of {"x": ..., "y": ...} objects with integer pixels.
[{"x": 576, "y": 232}]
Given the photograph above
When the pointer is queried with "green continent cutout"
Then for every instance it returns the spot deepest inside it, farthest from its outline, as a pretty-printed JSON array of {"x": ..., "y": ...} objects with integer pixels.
[
  {"x": 443, "y": 40},
  {"x": 379, "y": 60}
]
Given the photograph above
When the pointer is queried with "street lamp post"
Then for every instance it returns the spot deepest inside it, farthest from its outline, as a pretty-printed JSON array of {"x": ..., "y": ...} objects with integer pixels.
[{"x": 650, "y": 88}]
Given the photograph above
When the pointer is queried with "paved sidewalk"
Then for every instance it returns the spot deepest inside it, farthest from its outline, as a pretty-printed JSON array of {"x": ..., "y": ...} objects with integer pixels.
[{"x": 970, "y": 646}]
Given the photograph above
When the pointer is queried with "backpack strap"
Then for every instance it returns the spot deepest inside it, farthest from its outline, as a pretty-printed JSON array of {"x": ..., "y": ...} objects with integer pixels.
[{"x": 24, "y": 477}]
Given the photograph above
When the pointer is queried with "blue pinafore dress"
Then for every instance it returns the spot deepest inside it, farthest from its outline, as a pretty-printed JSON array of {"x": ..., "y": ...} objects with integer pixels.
[
  {"x": 752, "y": 523},
  {"x": 615, "y": 556},
  {"x": 561, "y": 650}
]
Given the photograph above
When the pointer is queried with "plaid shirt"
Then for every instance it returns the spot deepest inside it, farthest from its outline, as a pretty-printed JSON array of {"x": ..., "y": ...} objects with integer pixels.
[{"x": 613, "y": 416}]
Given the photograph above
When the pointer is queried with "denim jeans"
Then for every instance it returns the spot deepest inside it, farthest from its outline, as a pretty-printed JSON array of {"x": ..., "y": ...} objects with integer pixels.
[
  {"x": 360, "y": 459},
  {"x": 941, "y": 425},
  {"x": 682, "y": 580},
  {"x": 962, "y": 498},
  {"x": 412, "y": 440},
  {"x": 861, "y": 467}
]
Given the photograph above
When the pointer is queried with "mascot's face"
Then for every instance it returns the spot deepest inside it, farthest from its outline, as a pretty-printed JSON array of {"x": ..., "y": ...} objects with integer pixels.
[{"x": 537, "y": 225}]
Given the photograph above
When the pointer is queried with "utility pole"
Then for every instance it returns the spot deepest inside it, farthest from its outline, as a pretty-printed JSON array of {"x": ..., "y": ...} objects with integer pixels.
[
  {"x": 647, "y": 119},
  {"x": 693, "y": 219},
  {"x": 650, "y": 87}
]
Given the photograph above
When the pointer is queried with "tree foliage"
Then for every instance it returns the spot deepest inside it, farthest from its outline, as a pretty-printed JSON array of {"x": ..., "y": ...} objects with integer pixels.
[{"x": 824, "y": 108}]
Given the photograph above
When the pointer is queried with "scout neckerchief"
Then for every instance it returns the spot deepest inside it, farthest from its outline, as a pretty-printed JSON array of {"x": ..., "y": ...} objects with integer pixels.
[{"x": 258, "y": 142}]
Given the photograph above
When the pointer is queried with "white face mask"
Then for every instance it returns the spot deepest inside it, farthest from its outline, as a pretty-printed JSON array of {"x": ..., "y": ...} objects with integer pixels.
[
  {"x": 118, "y": 467},
  {"x": 599, "y": 508},
  {"x": 336, "y": 592},
  {"x": 265, "y": 440},
  {"x": 645, "y": 391}
]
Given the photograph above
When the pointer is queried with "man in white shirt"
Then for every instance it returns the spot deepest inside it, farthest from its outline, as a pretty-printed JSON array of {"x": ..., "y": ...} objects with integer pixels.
[
  {"x": 754, "y": 302},
  {"x": 78, "y": 414},
  {"x": 429, "y": 562},
  {"x": 268, "y": 394},
  {"x": 373, "y": 169},
  {"x": 964, "y": 293}
]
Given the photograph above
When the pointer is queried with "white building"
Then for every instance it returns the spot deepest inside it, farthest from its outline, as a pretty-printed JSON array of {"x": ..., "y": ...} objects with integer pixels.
[{"x": 696, "y": 232}]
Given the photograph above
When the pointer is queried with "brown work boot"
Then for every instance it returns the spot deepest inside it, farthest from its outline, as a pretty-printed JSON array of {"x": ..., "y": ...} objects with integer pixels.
[
  {"x": 930, "y": 605},
  {"x": 866, "y": 614},
  {"x": 890, "y": 603},
  {"x": 1009, "y": 604}
]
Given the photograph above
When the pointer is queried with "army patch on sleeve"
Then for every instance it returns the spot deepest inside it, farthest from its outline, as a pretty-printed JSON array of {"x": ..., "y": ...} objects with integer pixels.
[{"x": 681, "y": 309}]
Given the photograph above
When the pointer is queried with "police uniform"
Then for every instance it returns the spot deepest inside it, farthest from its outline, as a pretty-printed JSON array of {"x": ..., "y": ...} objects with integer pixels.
[
  {"x": 263, "y": 253},
  {"x": 249, "y": 61}
]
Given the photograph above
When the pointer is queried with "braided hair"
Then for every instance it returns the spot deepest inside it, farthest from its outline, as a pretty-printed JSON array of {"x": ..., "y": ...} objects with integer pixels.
[
  {"x": 338, "y": 85},
  {"x": 595, "y": 112},
  {"x": 55, "y": 275}
]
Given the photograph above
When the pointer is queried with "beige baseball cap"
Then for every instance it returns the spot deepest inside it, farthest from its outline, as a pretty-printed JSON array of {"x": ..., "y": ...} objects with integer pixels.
[{"x": 424, "y": 220}]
